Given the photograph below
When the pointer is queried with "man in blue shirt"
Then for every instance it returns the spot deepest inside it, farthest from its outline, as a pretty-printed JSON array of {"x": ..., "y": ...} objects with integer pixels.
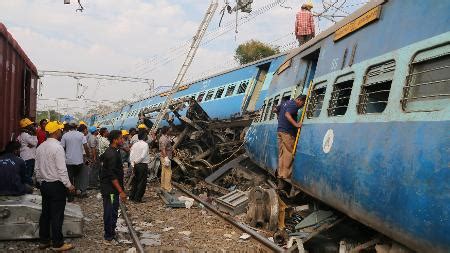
[
  {"x": 286, "y": 133},
  {"x": 13, "y": 171}
]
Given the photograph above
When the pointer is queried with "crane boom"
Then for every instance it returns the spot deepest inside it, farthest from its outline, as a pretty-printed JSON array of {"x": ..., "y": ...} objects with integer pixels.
[{"x": 187, "y": 62}]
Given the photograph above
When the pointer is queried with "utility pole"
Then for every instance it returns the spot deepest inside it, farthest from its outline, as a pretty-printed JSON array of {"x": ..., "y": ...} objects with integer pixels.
[{"x": 187, "y": 62}]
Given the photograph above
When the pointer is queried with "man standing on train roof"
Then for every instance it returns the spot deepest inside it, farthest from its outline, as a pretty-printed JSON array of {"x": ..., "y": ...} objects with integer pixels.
[
  {"x": 51, "y": 173},
  {"x": 286, "y": 134},
  {"x": 28, "y": 143},
  {"x": 304, "y": 23},
  {"x": 40, "y": 133},
  {"x": 111, "y": 185}
]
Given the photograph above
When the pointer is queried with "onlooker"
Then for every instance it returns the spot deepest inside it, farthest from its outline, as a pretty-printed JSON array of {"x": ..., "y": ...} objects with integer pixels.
[
  {"x": 103, "y": 142},
  {"x": 165, "y": 147},
  {"x": 304, "y": 24},
  {"x": 139, "y": 158},
  {"x": 125, "y": 148},
  {"x": 74, "y": 142},
  {"x": 51, "y": 173},
  {"x": 286, "y": 133},
  {"x": 92, "y": 141},
  {"x": 40, "y": 133},
  {"x": 12, "y": 171},
  {"x": 111, "y": 181},
  {"x": 83, "y": 176},
  {"x": 132, "y": 132},
  {"x": 28, "y": 143}
]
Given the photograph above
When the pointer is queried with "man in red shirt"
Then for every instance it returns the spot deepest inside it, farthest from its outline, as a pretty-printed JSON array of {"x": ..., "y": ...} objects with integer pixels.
[
  {"x": 40, "y": 133},
  {"x": 304, "y": 24}
]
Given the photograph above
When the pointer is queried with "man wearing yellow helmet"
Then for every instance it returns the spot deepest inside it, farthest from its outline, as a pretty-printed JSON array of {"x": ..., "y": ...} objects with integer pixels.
[
  {"x": 51, "y": 173},
  {"x": 28, "y": 143}
]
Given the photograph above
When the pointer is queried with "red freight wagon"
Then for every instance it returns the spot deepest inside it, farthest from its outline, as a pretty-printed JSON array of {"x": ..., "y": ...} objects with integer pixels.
[{"x": 18, "y": 86}]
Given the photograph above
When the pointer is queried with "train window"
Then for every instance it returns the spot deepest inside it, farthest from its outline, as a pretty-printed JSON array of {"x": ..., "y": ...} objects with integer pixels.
[
  {"x": 261, "y": 112},
  {"x": 200, "y": 97},
  {"x": 428, "y": 83},
  {"x": 376, "y": 87},
  {"x": 209, "y": 95},
  {"x": 341, "y": 95},
  {"x": 219, "y": 92},
  {"x": 275, "y": 104},
  {"x": 316, "y": 100},
  {"x": 268, "y": 110},
  {"x": 242, "y": 87},
  {"x": 230, "y": 90}
]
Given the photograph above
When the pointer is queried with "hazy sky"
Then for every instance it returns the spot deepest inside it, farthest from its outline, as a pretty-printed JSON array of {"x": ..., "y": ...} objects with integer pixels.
[{"x": 143, "y": 38}]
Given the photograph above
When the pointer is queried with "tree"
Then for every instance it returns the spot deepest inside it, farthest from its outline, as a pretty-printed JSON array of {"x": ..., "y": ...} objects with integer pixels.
[
  {"x": 254, "y": 50},
  {"x": 50, "y": 114}
]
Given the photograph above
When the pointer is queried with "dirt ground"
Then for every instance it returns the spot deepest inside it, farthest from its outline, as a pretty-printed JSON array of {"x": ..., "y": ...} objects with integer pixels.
[{"x": 161, "y": 228}]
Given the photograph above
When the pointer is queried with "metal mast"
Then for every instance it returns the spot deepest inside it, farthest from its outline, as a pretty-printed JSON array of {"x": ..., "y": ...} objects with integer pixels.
[{"x": 187, "y": 62}]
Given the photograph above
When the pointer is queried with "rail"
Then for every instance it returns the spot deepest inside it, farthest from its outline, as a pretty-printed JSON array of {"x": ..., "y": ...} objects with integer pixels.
[{"x": 134, "y": 236}]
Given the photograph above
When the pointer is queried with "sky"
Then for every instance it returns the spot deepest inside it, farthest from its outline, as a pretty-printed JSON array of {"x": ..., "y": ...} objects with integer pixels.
[{"x": 138, "y": 38}]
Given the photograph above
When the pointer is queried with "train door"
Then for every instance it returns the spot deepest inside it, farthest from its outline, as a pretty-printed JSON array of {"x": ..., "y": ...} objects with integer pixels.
[
  {"x": 311, "y": 59},
  {"x": 257, "y": 86}
]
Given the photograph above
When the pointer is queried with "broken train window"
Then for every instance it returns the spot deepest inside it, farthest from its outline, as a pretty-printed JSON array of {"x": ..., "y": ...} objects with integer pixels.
[
  {"x": 242, "y": 87},
  {"x": 209, "y": 95},
  {"x": 316, "y": 100},
  {"x": 428, "y": 83},
  {"x": 230, "y": 90},
  {"x": 340, "y": 96},
  {"x": 219, "y": 92},
  {"x": 275, "y": 104},
  {"x": 200, "y": 97}
]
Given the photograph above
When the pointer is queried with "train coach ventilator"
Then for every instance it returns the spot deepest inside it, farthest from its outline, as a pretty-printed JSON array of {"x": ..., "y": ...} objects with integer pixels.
[{"x": 19, "y": 218}]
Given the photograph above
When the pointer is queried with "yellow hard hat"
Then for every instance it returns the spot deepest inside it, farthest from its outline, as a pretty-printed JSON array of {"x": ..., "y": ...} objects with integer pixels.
[
  {"x": 124, "y": 132},
  {"x": 82, "y": 123},
  {"x": 53, "y": 126},
  {"x": 308, "y": 3},
  {"x": 142, "y": 126},
  {"x": 25, "y": 122}
]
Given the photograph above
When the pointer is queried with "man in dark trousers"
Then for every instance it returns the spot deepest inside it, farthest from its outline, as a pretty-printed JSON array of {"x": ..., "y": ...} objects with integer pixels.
[
  {"x": 111, "y": 185},
  {"x": 286, "y": 133},
  {"x": 51, "y": 173},
  {"x": 139, "y": 158}
]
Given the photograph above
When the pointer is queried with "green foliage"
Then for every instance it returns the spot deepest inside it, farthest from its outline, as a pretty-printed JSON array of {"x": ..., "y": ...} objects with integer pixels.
[
  {"x": 254, "y": 50},
  {"x": 54, "y": 115}
]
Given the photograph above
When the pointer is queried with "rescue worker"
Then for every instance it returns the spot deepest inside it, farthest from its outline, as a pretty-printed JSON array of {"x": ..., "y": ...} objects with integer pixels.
[
  {"x": 125, "y": 147},
  {"x": 40, "y": 133},
  {"x": 304, "y": 24},
  {"x": 51, "y": 173},
  {"x": 103, "y": 142},
  {"x": 74, "y": 142},
  {"x": 165, "y": 147},
  {"x": 28, "y": 143},
  {"x": 286, "y": 134},
  {"x": 134, "y": 138},
  {"x": 12, "y": 171},
  {"x": 111, "y": 181},
  {"x": 139, "y": 158}
]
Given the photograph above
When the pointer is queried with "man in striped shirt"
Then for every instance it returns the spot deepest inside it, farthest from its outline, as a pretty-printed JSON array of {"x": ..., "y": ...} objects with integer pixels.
[{"x": 304, "y": 24}]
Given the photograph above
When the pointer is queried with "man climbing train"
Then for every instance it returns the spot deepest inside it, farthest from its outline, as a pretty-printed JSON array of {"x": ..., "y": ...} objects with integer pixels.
[{"x": 286, "y": 133}]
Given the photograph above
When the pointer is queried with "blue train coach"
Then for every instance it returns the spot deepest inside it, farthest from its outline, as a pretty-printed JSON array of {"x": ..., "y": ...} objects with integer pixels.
[{"x": 375, "y": 142}]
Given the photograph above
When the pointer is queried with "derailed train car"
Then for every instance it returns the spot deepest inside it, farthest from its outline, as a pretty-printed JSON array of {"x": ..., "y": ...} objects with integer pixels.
[
  {"x": 374, "y": 144},
  {"x": 18, "y": 86}
]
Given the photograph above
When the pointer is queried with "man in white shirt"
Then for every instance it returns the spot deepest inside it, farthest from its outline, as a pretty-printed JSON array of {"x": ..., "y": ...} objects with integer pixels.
[
  {"x": 73, "y": 142},
  {"x": 139, "y": 158},
  {"x": 51, "y": 173},
  {"x": 28, "y": 143}
]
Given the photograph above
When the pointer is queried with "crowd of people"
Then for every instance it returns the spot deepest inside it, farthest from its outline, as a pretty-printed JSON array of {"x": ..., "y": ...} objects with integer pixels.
[{"x": 65, "y": 160}]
